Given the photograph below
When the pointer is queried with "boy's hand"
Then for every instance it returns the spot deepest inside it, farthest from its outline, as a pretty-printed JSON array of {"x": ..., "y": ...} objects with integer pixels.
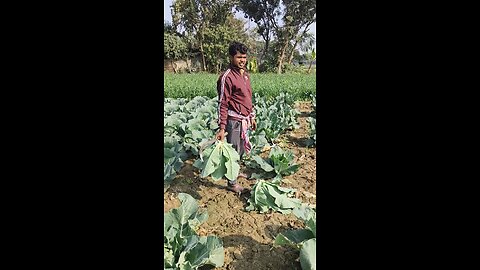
[
  {"x": 220, "y": 135},
  {"x": 254, "y": 124}
]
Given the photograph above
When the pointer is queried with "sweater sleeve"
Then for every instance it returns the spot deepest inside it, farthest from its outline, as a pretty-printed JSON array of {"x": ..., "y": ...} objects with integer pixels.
[{"x": 224, "y": 90}]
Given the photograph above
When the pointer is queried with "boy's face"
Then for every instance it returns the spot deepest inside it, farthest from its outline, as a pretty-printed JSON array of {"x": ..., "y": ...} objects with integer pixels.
[{"x": 239, "y": 60}]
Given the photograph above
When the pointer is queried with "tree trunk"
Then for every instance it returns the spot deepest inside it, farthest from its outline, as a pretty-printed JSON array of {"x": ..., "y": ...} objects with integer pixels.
[
  {"x": 282, "y": 56},
  {"x": 173, "y": 65},
  {"x": 203, "y": 56},
  {"x": 188, "y": 66},
  {"x": 296, "y": 42},
  {"x": 310, "y": 66},
  {"x": 265, "y": 50},
  {"x": 290, "y": 58}
]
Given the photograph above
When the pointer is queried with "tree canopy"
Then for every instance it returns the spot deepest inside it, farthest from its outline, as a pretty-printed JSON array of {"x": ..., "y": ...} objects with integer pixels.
[{"x": 209, "y": 26}]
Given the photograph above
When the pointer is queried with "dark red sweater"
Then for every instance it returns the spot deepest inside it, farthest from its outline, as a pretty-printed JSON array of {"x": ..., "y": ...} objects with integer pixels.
[{"x": 234, "y": 93}]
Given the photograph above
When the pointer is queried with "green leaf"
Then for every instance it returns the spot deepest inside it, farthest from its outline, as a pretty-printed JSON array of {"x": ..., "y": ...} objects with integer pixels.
[
  {"x": 209, "y": 250},
  {"x": 169, "y": 259},
  {"x": 213, "y": 160},
  {"x": 168, "y": 173},
  {"x": 182, "y": 242},
  {"x": 266, "y": 195},
  {"x": 290, "y": 169},
  {"x": 293, "y": 237},
  {"x": 168, "y": 153},
  {"x": 199, "y": 218},
  {"x": 308, "y": 255},
  {"x": 304, "y": 212},
  {"x": 221, "y": 170},
  {"x": 216, "y": 255},
  {"x": 281, "y": 200},
  {"x": 199, "y": 164},
  {"x": 263, "y": 164},
  {"x": 231, "y": 162},
  {"x": 221, "y": 161},
  {"x": 312, "y": 226},
  {"x": 281, "y": 240},
  {"x": 275, "y": 151},
  {"x": 187, "y": 209}
]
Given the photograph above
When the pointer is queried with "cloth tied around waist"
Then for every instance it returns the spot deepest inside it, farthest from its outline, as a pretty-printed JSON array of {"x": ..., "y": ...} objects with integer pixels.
[{"x": 246, "y": 123}]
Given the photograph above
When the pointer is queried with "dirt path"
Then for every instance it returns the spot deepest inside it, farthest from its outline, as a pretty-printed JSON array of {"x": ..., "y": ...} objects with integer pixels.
[{"x": 248, "y": 236}]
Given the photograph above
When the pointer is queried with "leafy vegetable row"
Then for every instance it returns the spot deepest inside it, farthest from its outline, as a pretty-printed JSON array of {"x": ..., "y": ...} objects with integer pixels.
[
  {"x": 189, "y": 123},
  {"x": 182, "y": 247},
  {"x": 303, "y": 239}
]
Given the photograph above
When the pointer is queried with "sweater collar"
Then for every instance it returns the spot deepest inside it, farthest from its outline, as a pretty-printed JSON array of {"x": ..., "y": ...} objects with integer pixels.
[{"x": 236, "y": 69}]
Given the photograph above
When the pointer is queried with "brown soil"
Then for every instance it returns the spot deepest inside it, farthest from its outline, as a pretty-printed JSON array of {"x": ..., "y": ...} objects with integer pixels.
[{"x": 248, "y": 236}]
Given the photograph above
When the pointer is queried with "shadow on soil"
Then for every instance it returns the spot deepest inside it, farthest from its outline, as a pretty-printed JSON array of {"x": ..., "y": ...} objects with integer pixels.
[
  {"x": 301, "y": 142},
  {"x": 273, "y": 230},
  {"x": 305, "y": 115},
  {"x": 249, "y": 254},
  {"x": 192, "y": 186},
  {"x": 188, "y": 182}
]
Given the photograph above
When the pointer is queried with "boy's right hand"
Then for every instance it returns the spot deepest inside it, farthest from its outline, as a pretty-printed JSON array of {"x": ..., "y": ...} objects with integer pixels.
[{"x": 220, "y": 135}]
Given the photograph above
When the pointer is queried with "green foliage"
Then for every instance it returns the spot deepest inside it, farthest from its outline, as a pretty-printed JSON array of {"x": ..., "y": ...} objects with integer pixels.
[
  {"x": 303, "y": 239},
  {"x": 190, "y": 123},
  {"x": 252, "y": 65},
  {"x": 268, "y": 85},
  {"x": 270, "y": 59},
  {"x": 291, "y": 68},
  {"x": 221, "y": 161},
  {"x": 264, "y": 13},
  {"x": 269, "y": 195},
  {"x": 313, "y": 131},
  {"x": 174, "y": 46},
  {"x": 216, "y": 41},
  {"x": 208, "y": 26},
  {"x": 296, "y": 17},
  {"x": 173, "y": 157},
  {"x": 187, "y": 124},
  {"x": 308, "y": 258},
  {"x": 212, "y": 26},
  {"x": 277, "y": 115},
  {"x": 313, "y": 121},
  {"x": 278, "y": 164},
  {"x": 183, "y": 248}
]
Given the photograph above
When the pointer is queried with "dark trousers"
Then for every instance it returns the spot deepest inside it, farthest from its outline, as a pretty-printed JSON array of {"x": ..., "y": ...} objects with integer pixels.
[
  {"x": 234, "y": 136},
  {"x": 234, "y": 129}
]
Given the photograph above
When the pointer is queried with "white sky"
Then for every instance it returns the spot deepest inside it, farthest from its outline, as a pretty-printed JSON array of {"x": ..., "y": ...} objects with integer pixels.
[{"x": 168, "y": 17}]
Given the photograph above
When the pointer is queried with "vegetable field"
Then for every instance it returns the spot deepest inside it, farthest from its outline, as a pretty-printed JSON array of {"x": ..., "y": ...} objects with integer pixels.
[
  {"x": 271, "y": 227},
  {"x": 299, "y": 86}
]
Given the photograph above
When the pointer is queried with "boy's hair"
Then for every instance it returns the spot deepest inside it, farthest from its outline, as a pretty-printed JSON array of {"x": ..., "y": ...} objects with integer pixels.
[{"x": 237, "y": 47}]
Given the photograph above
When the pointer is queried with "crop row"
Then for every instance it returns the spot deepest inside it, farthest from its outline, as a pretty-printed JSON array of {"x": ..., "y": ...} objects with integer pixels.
[
  {"x": 299, "y": 86},
  {"x": 184, "y": 248}
]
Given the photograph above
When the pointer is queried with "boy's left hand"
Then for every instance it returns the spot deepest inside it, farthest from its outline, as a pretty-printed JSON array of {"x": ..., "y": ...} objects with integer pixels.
[{"x": 254, "y": 124}]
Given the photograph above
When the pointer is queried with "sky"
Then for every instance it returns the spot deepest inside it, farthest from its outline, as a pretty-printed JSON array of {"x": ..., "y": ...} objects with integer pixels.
[{"x": 168, "y": 17}]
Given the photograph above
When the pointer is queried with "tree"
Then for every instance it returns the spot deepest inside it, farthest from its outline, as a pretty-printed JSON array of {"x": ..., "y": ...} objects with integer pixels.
[
  {"x": 286, "y": 20},
  {"x": 306, "y": 43},
  {"x": 174, "y": 47},
  {"x": 298, "y": 16},
  {"x": 218, "y": 37},
  {"x": 265, "y": 14},
  {"x": 194, "y": 17}
]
